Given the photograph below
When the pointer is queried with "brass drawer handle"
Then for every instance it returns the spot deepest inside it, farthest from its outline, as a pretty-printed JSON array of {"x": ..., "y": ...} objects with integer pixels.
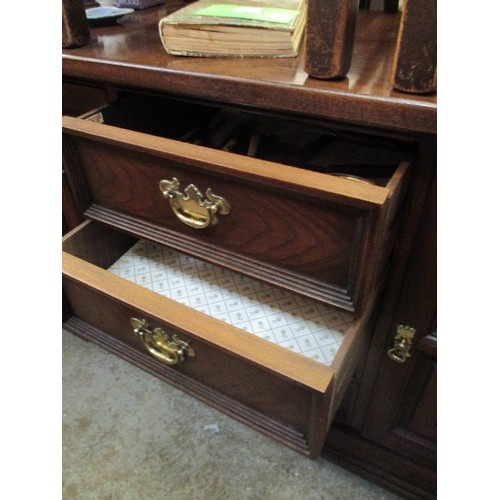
[
  {"x": 400, "y": 351},
  {"x": 191, "y": 208},
  {"x": 167, "y": 348}
]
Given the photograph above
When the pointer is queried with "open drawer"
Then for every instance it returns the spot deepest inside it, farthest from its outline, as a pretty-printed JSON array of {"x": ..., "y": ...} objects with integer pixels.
[
  {"x": 301, "y": 205},
  {"x": 276, "y": 361}
]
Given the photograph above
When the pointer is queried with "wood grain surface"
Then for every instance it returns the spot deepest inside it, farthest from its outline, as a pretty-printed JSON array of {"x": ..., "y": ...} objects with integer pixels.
[{"x": 131, "y": 54}]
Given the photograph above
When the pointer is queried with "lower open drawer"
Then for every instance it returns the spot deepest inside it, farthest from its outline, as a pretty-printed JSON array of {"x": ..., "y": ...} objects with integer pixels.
[{"x": 275, "y": 361}]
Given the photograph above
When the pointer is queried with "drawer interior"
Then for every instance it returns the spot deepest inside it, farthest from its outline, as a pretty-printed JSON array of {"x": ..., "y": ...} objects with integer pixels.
[
  {"x": 300, "y": 143},
  {"x": 295, "y": 323}
]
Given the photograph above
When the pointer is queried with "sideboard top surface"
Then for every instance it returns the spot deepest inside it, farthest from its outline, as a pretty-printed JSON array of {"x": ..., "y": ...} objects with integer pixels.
[{"x": 131, "y": 54}]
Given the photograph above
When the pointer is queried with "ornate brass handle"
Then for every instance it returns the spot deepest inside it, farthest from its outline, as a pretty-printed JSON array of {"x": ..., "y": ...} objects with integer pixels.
[
  {"x": 167, "y": 348},
  {"x": 400, "y": 351},
  {"x": 191, "y": 208}
]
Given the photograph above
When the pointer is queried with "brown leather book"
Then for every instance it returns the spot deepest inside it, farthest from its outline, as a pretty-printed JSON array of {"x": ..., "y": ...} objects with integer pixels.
[
  {"x": 75, "y": 27},
  {"x": 415, "y": 61},
  {"x": 329, "y": 37}
]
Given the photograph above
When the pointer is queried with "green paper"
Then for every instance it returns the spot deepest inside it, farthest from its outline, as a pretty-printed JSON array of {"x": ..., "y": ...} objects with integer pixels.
[{"x": 254, "y": 13}]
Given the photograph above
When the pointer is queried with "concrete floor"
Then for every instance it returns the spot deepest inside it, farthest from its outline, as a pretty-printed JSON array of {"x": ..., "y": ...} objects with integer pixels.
[{"x": 129, "y": 436}]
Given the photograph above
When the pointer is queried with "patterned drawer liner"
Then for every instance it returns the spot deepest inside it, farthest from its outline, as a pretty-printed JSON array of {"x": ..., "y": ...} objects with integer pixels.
[{"x": 273, "y": 314}]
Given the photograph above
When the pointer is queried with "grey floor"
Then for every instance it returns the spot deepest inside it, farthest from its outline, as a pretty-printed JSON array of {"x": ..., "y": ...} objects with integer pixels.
[{"x": 129, "y": 436}]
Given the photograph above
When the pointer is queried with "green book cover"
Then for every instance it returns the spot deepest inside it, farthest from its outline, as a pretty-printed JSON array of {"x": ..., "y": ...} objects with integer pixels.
[
  {"x": 249, "y": 12},
  {"x": 280, "y": 14}
]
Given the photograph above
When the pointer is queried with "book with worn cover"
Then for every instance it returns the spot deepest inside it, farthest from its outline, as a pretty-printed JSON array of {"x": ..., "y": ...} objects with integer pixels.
[{"x": 245, "y": 28}]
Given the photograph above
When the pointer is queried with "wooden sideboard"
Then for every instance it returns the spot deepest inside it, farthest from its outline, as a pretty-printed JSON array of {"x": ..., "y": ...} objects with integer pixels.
[{"x": 385, "y": 425}]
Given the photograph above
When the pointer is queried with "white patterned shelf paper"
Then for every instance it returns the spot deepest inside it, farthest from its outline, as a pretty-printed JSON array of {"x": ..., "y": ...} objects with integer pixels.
[{"x": 293, "y": 322}]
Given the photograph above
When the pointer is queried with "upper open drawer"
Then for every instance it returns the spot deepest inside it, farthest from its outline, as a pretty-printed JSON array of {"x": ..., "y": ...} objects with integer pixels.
[{"x": 300, "y": 205}]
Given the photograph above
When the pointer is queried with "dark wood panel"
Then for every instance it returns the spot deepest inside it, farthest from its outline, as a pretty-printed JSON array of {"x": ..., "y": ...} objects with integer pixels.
[
  {"x": 389, "y": 432},
  {"x": 392, "y": 412},
  {"x": 308, "y": 238},
  {"x": 96, "y": 244},
  {"x": 420, "y": 404},
  {"x": 71, "y": 216},
  {"x": 80, "y": 98},
  {"x": 415, "y": 205},
  {"x": 397, "y": 473}
]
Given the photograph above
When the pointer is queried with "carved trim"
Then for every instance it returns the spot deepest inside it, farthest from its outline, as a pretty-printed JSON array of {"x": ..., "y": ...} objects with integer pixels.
[{"x": 256, "y": 269}]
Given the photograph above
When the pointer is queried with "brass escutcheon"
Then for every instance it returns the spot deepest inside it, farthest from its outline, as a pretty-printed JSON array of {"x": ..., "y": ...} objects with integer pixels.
[
  {"x": 400, "y": 351},
  {"x": 191, "y": 208},
  {"x": 167, "y": 348}
]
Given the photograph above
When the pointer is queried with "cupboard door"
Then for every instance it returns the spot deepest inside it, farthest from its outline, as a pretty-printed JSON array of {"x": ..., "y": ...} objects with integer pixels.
[{"x": 401, "y": 414}]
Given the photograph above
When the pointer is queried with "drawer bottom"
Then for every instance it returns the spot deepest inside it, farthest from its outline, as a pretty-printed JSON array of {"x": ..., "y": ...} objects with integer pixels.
[{"x": 278, "y": 316}]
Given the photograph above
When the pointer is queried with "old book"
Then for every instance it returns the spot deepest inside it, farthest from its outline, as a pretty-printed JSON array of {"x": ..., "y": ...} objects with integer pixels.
[
  {"x": 75, "y": 27},
  {"x": 246, "y": 28},
  {"x": 415, "y": 61},
  {"x": 330, "y": 37}
]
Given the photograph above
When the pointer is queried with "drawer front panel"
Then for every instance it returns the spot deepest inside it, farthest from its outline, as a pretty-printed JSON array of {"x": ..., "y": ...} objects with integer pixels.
[
  {"x": 230, "y": 377},
  {"x": 312, "y": 239},
  {"x": 315, "y": 246}
]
